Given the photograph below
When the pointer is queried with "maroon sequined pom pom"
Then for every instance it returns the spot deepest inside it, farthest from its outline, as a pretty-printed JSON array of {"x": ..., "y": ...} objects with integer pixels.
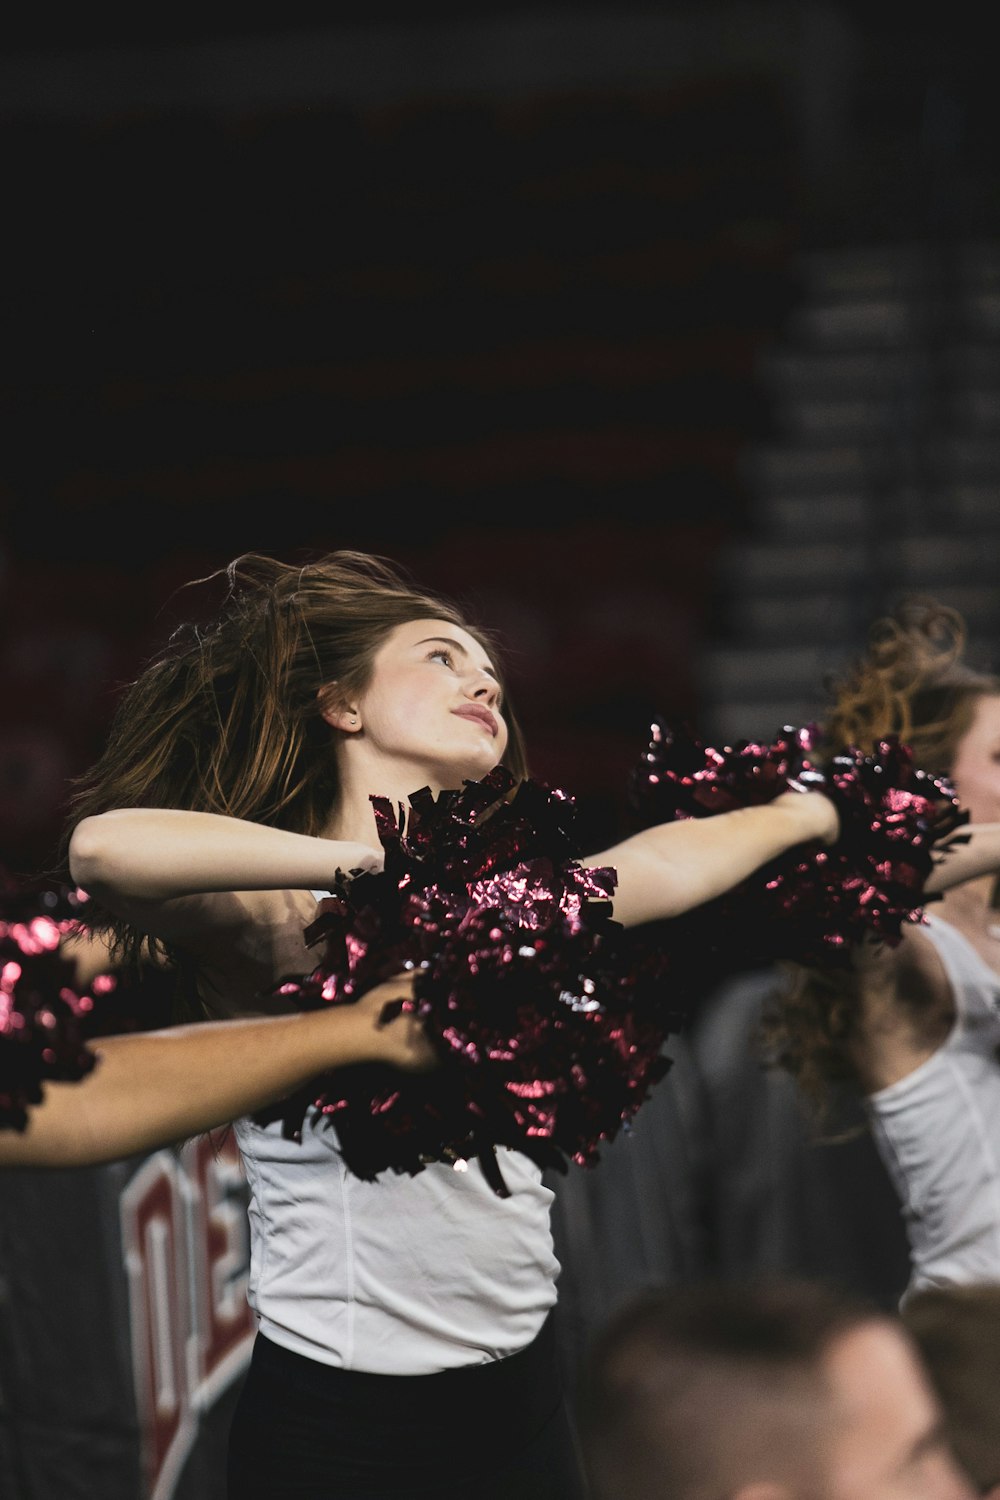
[
  {"x": 814, "y": 904},
  {"x": 41, "y": 1014},
  {"x": 548, "y": 1025},
  {"x": 679, "y": 776}
]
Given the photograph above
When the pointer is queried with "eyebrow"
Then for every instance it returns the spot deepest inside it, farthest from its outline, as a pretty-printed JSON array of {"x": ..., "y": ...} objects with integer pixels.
[{"x": 446, "y": 640}]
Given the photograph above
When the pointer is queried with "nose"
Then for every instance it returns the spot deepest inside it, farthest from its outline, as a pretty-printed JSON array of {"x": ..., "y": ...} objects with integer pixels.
[{"x": 484, "y": 688}]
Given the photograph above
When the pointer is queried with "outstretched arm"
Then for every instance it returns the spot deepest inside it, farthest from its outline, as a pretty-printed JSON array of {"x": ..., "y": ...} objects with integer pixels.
[
  {"x": 157, "y": 853},
  {"x": 150, "y": 1089},
  {"x": 670, "y": 868}
]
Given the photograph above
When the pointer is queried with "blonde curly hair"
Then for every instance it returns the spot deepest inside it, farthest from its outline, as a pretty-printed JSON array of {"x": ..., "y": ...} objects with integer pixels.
[{"x": 911, "y": 680}]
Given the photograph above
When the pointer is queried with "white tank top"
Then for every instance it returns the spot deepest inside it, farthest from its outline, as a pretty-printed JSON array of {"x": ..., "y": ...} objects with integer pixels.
[
  {"x": 938, "y": 1131},
  {"x": 401, "y": 1276}
]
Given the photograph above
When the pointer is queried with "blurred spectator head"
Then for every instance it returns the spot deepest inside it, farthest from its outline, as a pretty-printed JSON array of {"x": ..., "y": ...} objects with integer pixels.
[
  {"x": 781, "y": 1389},
  {"x": 957, "y": 1329}
]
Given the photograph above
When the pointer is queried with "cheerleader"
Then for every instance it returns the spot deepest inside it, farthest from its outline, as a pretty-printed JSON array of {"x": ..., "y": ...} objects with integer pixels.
[
  {"x": 914, "y": 1027},
  {"x": 405, "y": 1342}
]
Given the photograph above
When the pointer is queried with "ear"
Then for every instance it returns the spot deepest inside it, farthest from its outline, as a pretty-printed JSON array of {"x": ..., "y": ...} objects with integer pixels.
[{"x": 337, "y": 714}]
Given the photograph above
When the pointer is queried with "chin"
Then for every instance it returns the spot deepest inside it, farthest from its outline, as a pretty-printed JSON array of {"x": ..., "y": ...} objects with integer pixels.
[{"x": 475, "y": 768}]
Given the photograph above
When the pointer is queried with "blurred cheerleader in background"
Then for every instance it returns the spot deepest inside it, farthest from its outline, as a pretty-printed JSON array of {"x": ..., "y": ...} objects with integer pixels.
[
  {"x": 915, "y": 1028},
  {"x": 903, "y": 1019}
]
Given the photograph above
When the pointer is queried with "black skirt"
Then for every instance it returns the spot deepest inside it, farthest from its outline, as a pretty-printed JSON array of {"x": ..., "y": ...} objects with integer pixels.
[{"x": 498, "y": 1431}]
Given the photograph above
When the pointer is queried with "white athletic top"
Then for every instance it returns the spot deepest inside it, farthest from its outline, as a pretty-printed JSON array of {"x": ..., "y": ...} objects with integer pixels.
[
  {"x": 401, "y": 1276},
  {"x": 938, "y": 1131}
]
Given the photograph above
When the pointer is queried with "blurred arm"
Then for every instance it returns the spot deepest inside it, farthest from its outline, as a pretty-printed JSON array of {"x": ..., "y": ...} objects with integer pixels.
[
  {"x": 152, "y": 1089},
  {"x": 154, "y": 854}
]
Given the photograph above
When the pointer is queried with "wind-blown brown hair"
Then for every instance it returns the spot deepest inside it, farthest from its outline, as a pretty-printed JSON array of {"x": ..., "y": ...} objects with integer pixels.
[
  {"x": 912, "y": 680},
  {"x": 226, "y": 718}
]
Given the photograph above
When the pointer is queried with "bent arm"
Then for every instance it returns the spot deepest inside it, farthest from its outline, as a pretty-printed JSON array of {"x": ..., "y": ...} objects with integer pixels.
[
  {"x": 151, "y": 1089},
  {"x": 670, "y": 868},
  {"x": 156, "y": 854},
  {"x": 973, "y": 851}
]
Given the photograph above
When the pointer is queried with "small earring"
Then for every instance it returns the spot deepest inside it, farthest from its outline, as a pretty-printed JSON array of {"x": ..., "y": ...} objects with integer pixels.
[{"x": 354, "y": 718}]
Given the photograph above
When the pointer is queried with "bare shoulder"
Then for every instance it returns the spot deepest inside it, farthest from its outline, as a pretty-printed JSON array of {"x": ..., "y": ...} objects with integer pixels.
[
  {"x": 908, "y": 978},
  {"x": 906, "y": 1009},
  {"x": 922, "y": 979},
  {"x": 241, "y": 943}
]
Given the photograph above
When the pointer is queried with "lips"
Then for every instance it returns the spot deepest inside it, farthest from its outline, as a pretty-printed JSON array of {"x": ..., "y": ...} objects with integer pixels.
[{"x": 480, "y": 715}]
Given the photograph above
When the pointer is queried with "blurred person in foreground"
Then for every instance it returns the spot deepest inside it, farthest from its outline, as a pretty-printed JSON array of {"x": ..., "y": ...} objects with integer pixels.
[
  {"x": 957, "y": 1329},
  {"x": 781, "y": 1389}
]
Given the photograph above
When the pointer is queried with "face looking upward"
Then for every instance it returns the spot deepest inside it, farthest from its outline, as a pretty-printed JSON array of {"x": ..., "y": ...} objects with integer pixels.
[
  {"x": 975, "y": 770},
  {"x": 431, "y": 713}
]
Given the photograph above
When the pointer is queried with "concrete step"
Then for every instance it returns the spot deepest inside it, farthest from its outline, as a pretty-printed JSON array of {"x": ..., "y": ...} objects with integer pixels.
[
  {"x": 981, "y": 314},
  {"x": 906, "y": 412},
  {"x": 974, "y": 362},
  {"x": 867, "y": 271},
  {"x": 866, "y": 323},
  {"x": 753, "y": 567},
  {"x": 966, "y": 458},
  {"x": 932, "y": 560},
  {"x": 753, "y": 671},
  {"x": 808, "y": 518},
  {"x": 971, "y": 505},
  {"x": 780, "y": 468},
  {"x": 790, "y": 373},
  {"x": 865, "y": 418},
  {"x": 817, "y": 619},
  {"x": 946, "y": 457},
  {"x": 975, "y": 409},
  {"x": 723, "y": 721},
  {"x": 978, "y": 262}
]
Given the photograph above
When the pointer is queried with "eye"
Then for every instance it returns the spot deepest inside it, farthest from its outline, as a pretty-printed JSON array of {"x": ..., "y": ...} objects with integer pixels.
[{"x": 441, "y": 653}]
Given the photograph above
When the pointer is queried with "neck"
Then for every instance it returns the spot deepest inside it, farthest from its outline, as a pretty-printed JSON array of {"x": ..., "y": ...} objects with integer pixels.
[
  {"x": 353, "y": 817},
  {"x": 971, "y": 903}
]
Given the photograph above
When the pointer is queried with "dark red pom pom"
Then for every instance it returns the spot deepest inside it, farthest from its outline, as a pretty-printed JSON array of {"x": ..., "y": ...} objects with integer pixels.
[
  {"x": 679, "y": 776},
  {"x": 813, "y": 904},
  {"x": 41, "y": 1014},
  {"x": 549, "y": 1024}
]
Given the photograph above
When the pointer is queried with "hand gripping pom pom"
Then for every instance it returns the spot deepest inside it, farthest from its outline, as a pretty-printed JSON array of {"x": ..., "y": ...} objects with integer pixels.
[
  {"x": 813, "y": 904},
  {"x": 41, "y": 1014},
  {"x": 896, "y": 821},
  {"x": 547, "y": 1022}
]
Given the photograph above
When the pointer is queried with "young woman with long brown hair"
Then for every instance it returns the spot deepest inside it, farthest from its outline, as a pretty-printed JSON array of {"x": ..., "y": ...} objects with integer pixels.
[{"x": 406, "y": 1344}]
